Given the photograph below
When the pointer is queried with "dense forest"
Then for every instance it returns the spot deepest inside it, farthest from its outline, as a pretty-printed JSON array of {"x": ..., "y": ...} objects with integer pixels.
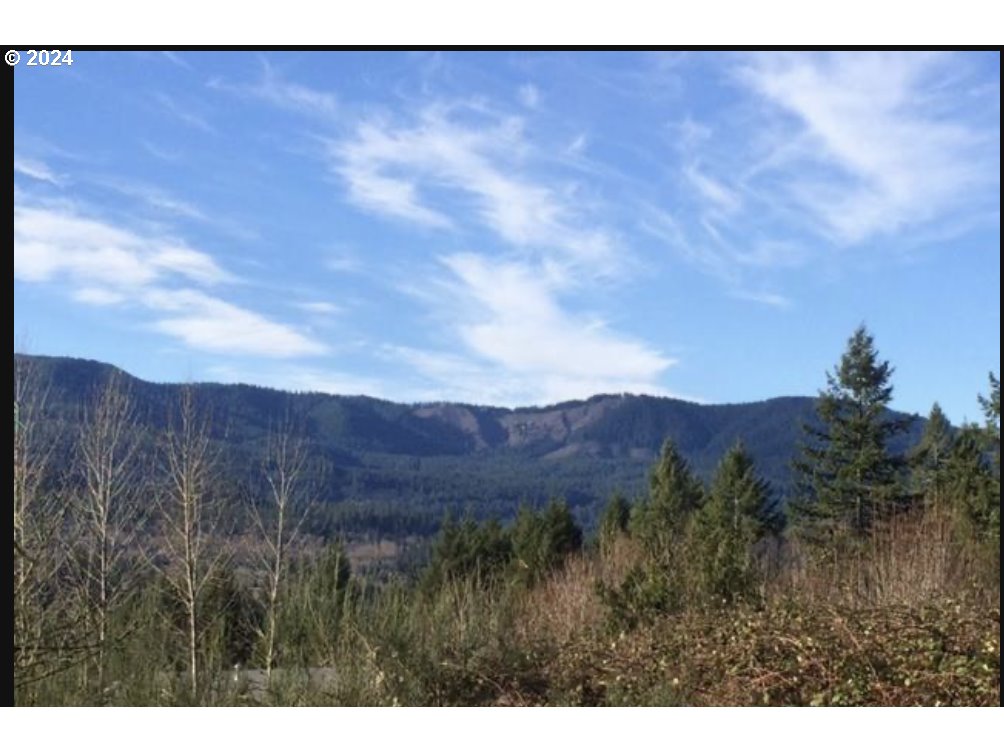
[
  {"x": 385, "y": 470},
  {"x": 191, "y": 545}
]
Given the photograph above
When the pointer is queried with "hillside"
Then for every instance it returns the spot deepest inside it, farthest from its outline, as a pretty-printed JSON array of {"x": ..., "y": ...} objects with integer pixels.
[{"x": 395, "y": 468}]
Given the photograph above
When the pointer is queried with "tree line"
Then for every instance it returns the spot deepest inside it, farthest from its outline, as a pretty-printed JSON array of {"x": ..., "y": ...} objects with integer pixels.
[
  {"x": 132, "y": 555},
  {"x": 716, "y": 543}
]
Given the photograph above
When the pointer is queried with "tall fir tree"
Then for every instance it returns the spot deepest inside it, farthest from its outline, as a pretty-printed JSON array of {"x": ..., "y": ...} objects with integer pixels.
[
  {"x": 846, "y": 477},
  {"x": 929, "y": 458},
  {"x": 738, "y": 513},
  {"x": 675, "y": 494}
]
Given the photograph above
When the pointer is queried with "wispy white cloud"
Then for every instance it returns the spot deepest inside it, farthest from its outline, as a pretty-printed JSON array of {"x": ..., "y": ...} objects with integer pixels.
[
  {"x": 275, "y": 89},
  {"x": 732, "y": 263},
  {"x": 404, "y": 171},
  {"x": 775, "y": 300},
  {"x": 166, "y": 203},
  {"x": 677, "y": 237},
  {"x": 825, "y": 151},
  {"x": 770, "y": 253},
  {"x": 210, "y": 324},
  {"x": 152, "y": 196},
  {"x": 102, "y": 264},
  {"x": 884, "y": 147},
  {"x": 57, "y": 242},
  {"x": 184, "y": 113},
  {"x": 98, "y": 296},
  {"x": 720, "y": 196},
  {"x": 36, "y": 170},
  {"x": 394, "y": 196},
  {"x": 520, "y": 345},
  {"x": 178, "y": 60},
  {"x": 319, "y": 307},
  {"x": 577, "y": 145},
  {"x": 342, "y": 260}
]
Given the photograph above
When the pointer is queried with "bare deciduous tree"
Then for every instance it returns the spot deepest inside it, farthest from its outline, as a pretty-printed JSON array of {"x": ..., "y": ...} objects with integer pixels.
[
  {"x": 284, "y": 464},
  {"x": 44, "y": 638},
  {"x": 190, "y": 514},
  {"x": 107, "y": 509}
]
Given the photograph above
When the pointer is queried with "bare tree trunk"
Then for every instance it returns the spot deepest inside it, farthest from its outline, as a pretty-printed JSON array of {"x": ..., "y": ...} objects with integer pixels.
[
  {"x": 41, "y": 637},
  {"x": 108, "y": 509},
  {"x": 284, "y": 464},
  {"x": 190, "y": 518}
]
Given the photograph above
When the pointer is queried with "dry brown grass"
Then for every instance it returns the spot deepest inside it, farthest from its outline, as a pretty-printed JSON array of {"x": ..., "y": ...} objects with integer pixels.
[
  {"x": 911, "y": 560},
  {"x": 566, "y": 605},
  {"x": 911, "y": 617}
]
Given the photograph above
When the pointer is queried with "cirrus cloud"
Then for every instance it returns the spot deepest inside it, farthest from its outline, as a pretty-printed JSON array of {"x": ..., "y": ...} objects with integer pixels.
[{"x": 103, "y": 264}]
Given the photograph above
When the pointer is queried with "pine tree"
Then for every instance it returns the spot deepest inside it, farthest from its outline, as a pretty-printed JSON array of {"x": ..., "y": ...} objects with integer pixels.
[
  {"x": 659, "y": 584},
  {"x": 846, "y": 476},
  {"x": 738, "y": 513},
  {"x": 929, "y": 459},
  {"x": 660, "y": 522}
]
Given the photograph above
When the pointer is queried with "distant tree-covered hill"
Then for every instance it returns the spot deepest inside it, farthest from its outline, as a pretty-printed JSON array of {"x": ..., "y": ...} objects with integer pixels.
[{"x": 394, "y": 468}]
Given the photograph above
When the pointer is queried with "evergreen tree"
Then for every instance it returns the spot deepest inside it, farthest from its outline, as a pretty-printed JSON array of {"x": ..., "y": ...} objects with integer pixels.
[
  {"x": 615, "y": 519},
  {"x": 542, "y": 540},
  {"x": 467, "y": 548},
  {"x": 973, "y": 487},
  {"x": 660, "y": 522},
  {"x": 846, "y": 476},
  {"x": 929, "y": 459},
  {"x": 738, "y": 513}
]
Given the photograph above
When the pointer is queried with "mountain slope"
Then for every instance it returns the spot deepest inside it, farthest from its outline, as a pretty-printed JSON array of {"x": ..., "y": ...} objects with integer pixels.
[{"x": 389, "y": 462}]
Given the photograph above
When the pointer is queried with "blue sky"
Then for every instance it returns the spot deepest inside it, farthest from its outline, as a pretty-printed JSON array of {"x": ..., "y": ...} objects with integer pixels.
[{"x": 513, "y": 228}]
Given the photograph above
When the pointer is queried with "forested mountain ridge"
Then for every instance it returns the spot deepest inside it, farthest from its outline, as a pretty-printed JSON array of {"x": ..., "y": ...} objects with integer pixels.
[{"x": 398, "y": 466}]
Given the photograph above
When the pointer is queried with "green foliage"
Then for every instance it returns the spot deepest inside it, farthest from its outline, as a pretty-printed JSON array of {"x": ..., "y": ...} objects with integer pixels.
[
  {"x": 542, "y": 540},
  {"x": 391, "y": 471},
  {"x": 467, "y": 548},
  {"x": 536, "y": 543},
  {"x": 929, "y": 458},
  {"x": 847, "y": 478},
  {"x": 614, "y": 521},
  {"x": 312, "y": 605},
  {"x": 738, "y": 513},
  {"x": 646, "y": 593},
  {"x": 237, "y": 618},
  {"x": 501, "y": 627},
  {"x": 660, "y": 521},
  {"x": 974, "y": 489}
]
